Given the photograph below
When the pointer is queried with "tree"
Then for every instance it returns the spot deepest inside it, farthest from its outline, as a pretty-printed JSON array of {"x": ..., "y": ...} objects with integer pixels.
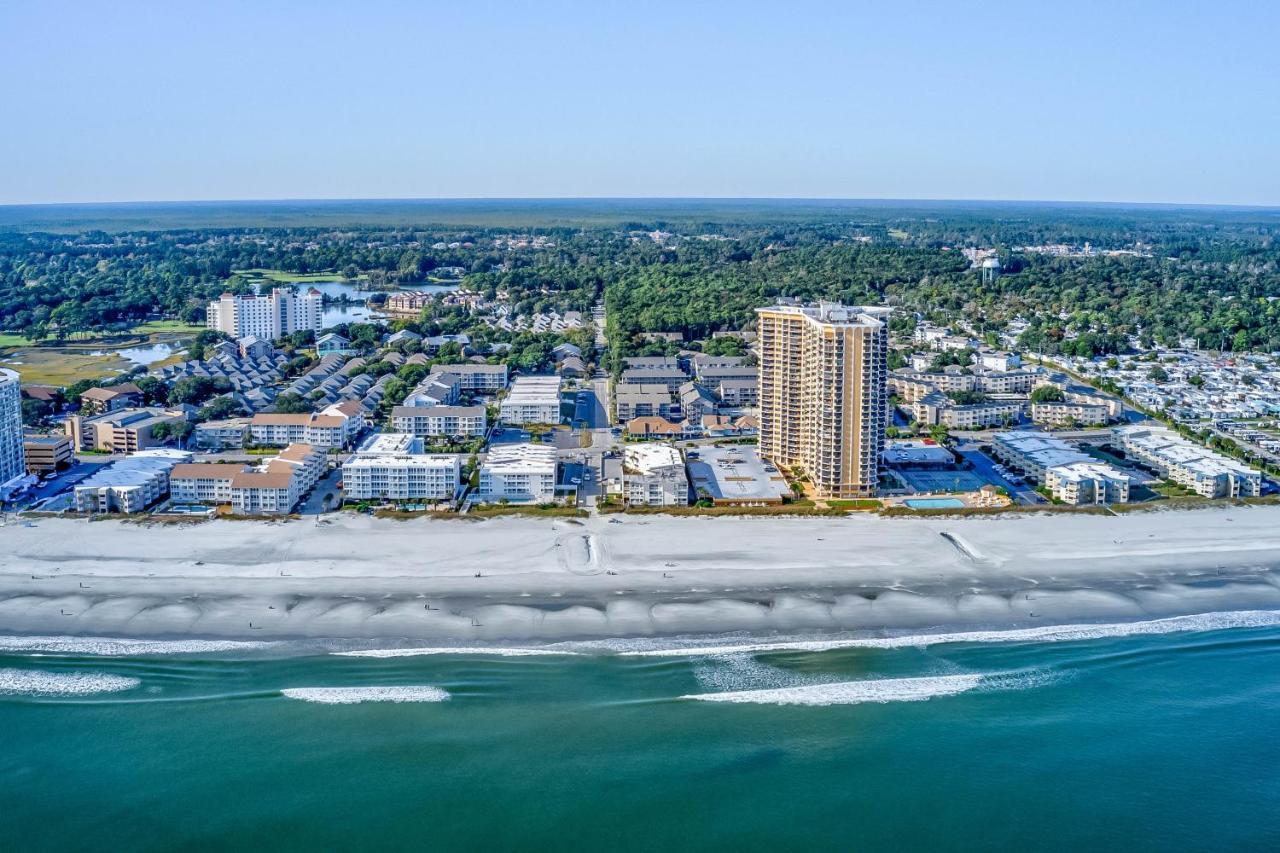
[
  {"x": 289, "y": 403},
  {"x": 219, "y": 408},
  {"x": 1158, "y": 374},
  {"x": 1048, "y": 394}
]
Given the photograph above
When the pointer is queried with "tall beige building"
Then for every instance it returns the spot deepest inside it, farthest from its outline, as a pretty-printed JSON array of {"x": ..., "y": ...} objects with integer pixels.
[{"x": 822, "y": 392}]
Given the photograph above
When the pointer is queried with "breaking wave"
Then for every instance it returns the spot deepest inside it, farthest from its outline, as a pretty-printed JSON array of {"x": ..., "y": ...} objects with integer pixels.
[
  {"x": 1046, "y": 634},
  {"x": 109, "y": 647},
  {"x": 357, "y": 695},
  {"x": 452, "y": 650},
  {"x": 29, "y": 682},
  {"x": 912, "y": 689},
  {"x": 851, "y": 692}
]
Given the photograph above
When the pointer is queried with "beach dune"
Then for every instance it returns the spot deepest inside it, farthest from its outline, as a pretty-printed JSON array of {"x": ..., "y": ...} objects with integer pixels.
[{"x": 356, "y": 577}]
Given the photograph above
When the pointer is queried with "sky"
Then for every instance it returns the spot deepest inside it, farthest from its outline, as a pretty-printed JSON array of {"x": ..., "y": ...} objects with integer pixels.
[{"x": 1126, "y": 100}]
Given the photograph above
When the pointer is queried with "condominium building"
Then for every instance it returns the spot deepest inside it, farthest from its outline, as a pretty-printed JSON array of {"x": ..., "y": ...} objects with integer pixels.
[
  {"x": 392, "y": 466},
  {"x": 739, "y": 392},
  {"x": 1070, "y": 476},
  {"x": 478, "y": 378},
  {"x": 203, "y": 482},
  {"x": 671, "y": 377},
  {"x": 95, "y": 401},
  {"x": 1062, "y": 413},
  {"x": 654, "y": 475},
  {"x": 273, "y": 429},
  {"x": 433, "y": 421},
  {"x": 1080, "y": 483},
  {"x": 439, "y": 388},
  {"x": 407, "y": 303},
  {"x": 120, "y": 431},
  {"x": 642, "y": 401},
  {"x": 1186, "y": 463},
  {"x": 822, "y": 392},
  {"x": 129, "y": 485},
  {"x": 518, "y": 473},
  {"x": 276, "y": 314},
  {"x": 532, "y": 400},
  {"x": 937, "y": 408},
  {"x": 46, "y": 453},
  {"x": 222, "y": 435},
  {"x": 273, "y": 486},
  {"x": 11, "y": 458}
]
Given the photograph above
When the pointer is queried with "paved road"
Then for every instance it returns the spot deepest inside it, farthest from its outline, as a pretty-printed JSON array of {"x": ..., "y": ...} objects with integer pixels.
[
  {"x": 589, "y": 407},
  {"x": 984, "y": 467},
  {"x": 325, "y": 496}
]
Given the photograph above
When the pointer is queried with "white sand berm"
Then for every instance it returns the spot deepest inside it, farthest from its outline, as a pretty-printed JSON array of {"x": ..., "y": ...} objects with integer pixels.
[{"x": 359, "y": 577}]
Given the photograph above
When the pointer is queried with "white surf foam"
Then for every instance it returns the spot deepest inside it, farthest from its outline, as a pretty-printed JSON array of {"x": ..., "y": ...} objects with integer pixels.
[
  {"x": 28, "y": 682},
  {"x": 451, "y": 650},
  {"x": 851, "y": 692},
  {"x": 1046, "y": 634},
  {"x": 357, "y": 695},
  {"x": 110, "y": 647}
]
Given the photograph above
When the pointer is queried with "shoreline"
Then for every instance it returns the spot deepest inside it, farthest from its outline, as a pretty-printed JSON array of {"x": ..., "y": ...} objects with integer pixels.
[{"x": 549, "y": 580}]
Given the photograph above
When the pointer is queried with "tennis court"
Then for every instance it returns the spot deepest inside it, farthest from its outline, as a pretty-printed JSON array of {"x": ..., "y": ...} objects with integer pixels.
[{"x": 943, "y": 481}]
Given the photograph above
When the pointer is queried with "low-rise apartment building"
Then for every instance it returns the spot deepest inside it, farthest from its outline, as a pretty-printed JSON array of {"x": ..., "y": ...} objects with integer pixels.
[
  {"x": 476, "y": 378},
  {"x": 222, "y": 435},
  {"x": 128, "y": 485},
  {"x": 739, "y": 392},
  {"x": 121, "y": 430},
  {"x": 45, "y": 454},
  {"x": 519, "y": 473},
  {"x": 654, "y": 475},
  {"x": 1070, "y": 476},
  {"x": 671, "y": 377},
  {"x": 435, "y": 421},
  {"x": 1062, "y": 413},
  {"x": 273, "y": 429},
  {"x": 641, "y": 401},
  {"x": 1082, "y": 483},
  {"x": 937, "y": 408},
  {"x": 298, "y": 467},
  {"x": 532, "y": 400},
  {"x": 1186, "y": 463},
  {"x": 96, "y": 401},
  {"x": 392, "y": 466}
]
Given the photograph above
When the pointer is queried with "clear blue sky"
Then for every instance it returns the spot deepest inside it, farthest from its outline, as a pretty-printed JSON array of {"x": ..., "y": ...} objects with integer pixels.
[{"x": 1117, "y": 101}]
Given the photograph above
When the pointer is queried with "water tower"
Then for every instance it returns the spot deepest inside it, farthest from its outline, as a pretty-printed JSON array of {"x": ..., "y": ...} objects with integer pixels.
[{"x": 990, "y": 269}]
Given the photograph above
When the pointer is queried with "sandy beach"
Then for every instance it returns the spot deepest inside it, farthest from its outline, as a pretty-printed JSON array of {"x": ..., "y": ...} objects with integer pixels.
[{"x": 356, "y": 577}]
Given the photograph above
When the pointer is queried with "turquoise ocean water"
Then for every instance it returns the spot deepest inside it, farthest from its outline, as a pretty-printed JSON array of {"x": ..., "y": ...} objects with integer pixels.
[{"x": 1097, "y": 740}]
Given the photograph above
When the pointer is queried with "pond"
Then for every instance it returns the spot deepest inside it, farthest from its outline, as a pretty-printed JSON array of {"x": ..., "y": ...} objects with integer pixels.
[{"x": 356, "y": 311}]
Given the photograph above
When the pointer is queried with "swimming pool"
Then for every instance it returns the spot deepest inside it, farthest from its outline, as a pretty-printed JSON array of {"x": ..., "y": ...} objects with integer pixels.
[{"x": 934, "y": 503}]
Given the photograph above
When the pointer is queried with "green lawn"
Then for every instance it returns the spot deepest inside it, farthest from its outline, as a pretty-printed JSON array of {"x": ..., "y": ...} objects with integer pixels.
[
  {"x": 8, "y": 340},
  {"x": 292, "y": 277},
  {"x": 174, "y": 327}
]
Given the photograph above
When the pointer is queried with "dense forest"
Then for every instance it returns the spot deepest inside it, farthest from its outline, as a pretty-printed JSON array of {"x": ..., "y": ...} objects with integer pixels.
[{"x": 1211, "y": 274}]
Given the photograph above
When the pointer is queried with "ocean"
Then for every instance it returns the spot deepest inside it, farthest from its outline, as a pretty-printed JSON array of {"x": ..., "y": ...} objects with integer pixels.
[{"x": 1164, "y": 735}]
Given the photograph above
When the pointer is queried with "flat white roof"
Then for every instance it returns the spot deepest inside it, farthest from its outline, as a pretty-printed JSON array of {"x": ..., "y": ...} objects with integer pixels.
[{"x": 652, "y": 456}]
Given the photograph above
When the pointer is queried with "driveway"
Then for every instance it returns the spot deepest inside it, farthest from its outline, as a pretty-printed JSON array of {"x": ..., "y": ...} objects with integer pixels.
[{"x": 325, "y": 496}]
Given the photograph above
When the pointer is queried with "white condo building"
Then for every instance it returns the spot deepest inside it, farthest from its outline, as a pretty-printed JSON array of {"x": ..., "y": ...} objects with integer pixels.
[
  {"x": 270, "y": 316},
  {"x": 392, "y": 466},
  {"x": 1069, "y": 475},
  {"x": 11, "y": 462},
  {"x": 654, "y": 475},
  {"x": 532, "y": 400},
  {"x": 1208, "y": 474},
  {"x": 518, "y": 473}
]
